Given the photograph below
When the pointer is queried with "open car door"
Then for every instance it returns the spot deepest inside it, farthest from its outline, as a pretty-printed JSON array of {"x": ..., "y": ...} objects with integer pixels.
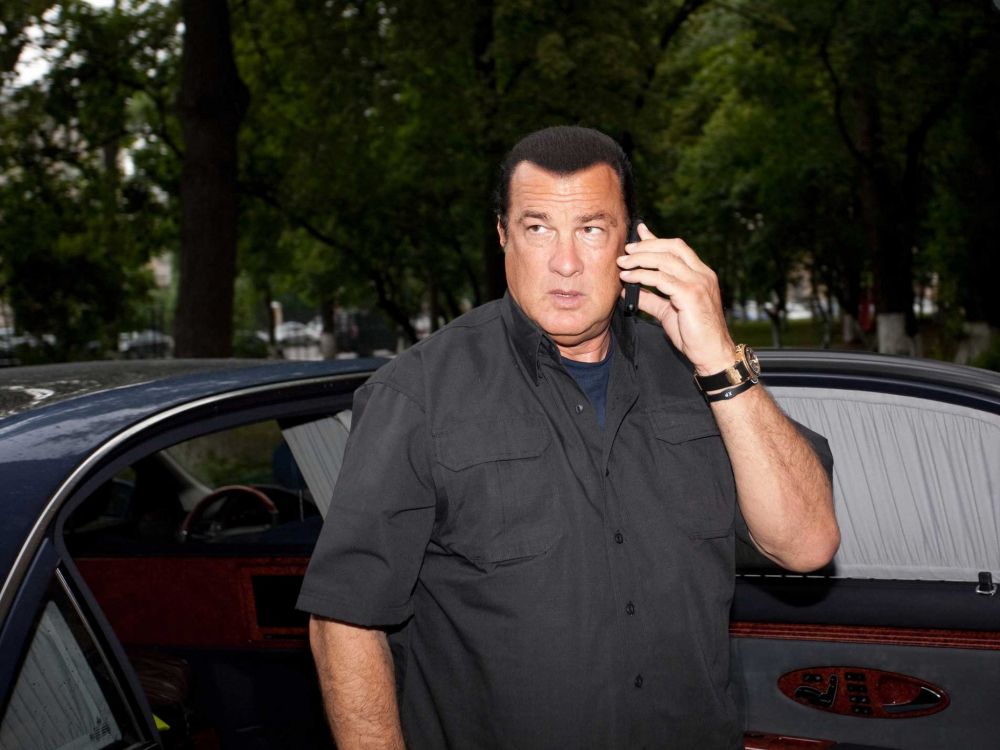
[{"x": 897, "y": 643}]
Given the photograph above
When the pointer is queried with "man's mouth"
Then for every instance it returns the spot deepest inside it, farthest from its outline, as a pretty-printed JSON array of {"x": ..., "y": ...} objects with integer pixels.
[{"x": 565, "y": 293}]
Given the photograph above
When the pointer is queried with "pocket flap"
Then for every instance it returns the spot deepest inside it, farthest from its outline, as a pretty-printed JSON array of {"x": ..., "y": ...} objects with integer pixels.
[
  {"x": 683, "y": 423},
  {"x": 506, "y": 438}
]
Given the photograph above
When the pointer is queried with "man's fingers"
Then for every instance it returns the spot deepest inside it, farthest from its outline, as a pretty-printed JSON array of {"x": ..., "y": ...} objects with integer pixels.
[
  {"x": 666, "y": 246},
  {"x": 655, "y": 305},
  {"x": 663, "y": 281},
  {"x": 644, "y": 233},
  {"x": 644, "y": 268}
]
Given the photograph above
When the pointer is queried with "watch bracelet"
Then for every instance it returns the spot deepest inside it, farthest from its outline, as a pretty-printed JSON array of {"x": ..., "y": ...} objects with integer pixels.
[
  {"x": 731, "y": 391},
  {"x": 721, "y": 379}
]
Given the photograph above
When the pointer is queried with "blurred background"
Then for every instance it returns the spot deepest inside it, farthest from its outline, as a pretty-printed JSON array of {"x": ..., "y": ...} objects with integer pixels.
[{"x": 313, "y": 178}]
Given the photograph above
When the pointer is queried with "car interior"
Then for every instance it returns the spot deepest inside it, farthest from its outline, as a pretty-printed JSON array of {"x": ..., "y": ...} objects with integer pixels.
[{"x": 195, "y": 554}]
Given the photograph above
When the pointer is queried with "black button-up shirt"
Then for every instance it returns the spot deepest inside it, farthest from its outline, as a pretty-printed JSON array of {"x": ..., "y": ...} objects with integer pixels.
[{"x": 546, "y": 583}]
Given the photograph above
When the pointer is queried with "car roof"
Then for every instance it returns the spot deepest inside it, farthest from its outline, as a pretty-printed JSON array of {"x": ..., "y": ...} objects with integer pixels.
[
  {"x": 27, "y": 387},
  {"x": 845, "y": 369},
  {"x": 41, "y": 447}
]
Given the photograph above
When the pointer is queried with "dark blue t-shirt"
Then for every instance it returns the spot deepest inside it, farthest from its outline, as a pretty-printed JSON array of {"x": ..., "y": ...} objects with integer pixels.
[{"x": 592, "y": 377}]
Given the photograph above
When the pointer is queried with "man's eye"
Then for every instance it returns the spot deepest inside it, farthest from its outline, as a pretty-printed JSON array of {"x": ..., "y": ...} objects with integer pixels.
[
  {"x": 592, "y": 231},
  {"x": 536, "y": 228}
]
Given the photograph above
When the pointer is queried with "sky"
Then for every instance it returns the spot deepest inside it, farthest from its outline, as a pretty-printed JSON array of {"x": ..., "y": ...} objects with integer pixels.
[{"x": 32, "y": 64}]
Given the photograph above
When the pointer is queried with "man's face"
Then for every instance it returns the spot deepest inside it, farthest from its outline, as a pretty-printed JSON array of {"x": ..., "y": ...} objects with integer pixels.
[{"x": 564, "y": 233}]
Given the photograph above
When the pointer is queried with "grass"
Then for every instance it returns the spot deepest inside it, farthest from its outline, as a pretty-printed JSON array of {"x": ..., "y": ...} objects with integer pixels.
[
  {"x": 937, "y": 341},
  {"x": 797, "y": 334}
]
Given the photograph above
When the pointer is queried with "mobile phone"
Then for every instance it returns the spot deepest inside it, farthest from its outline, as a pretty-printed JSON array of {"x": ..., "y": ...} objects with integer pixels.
[{"x": 632, "y": 290}]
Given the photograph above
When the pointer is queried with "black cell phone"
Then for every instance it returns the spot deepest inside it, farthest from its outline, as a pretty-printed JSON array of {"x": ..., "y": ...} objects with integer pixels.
[{"x": 632, "y": 290}]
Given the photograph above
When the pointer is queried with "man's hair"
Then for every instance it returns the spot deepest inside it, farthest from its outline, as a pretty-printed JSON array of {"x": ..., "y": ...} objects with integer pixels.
[{"x": 565, "y": 149}]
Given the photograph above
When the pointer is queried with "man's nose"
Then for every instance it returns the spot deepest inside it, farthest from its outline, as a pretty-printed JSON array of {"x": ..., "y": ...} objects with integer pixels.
[{"x": 566, "y": 259}]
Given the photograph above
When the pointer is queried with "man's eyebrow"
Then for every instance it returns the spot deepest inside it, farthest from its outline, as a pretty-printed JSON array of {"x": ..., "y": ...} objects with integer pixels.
[
  {"x": 540, "y": 215},
  {"x": 597, "y": 216}
]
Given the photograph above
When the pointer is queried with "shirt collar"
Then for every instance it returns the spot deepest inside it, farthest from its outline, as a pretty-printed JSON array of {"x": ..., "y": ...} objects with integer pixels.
[{"x": 531, "y": 344}]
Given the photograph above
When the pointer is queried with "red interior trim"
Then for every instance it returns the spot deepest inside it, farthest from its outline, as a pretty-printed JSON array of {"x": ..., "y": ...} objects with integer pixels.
[
  {"x": 762, "y": 741},
  {"x": 201, "y": 602},
  {"x": 973, "y": 639}
]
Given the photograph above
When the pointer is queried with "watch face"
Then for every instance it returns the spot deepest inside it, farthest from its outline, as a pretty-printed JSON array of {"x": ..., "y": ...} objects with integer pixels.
[{"x": 750, "y": 357}]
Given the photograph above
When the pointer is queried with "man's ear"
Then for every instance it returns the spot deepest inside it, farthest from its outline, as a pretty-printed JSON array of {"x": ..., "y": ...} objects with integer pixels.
[{"x": 501, "y": 233}]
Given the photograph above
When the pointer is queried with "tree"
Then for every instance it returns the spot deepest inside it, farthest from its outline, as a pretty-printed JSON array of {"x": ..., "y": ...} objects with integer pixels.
[
  {"x": 211, "y": 103},
  {"x": 385, "y": 151},
  {"x": 963, "y": 223},
  {"x": 894, "y": 72},
  {"x": 75, "y": 231}
]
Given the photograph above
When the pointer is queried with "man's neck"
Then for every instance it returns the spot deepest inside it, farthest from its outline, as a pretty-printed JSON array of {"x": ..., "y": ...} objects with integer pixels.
[{"x": 592, "y": 350}]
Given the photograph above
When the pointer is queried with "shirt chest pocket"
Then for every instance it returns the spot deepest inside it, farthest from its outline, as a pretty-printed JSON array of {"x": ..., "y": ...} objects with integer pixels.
[
  {"x": 693, "y": 466},
  {"x": 498, "y": 488}
]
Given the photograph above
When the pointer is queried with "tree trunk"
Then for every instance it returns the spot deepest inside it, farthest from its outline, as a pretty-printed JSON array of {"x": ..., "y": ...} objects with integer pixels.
[
  {"x": 483, "y": 37},
  {"x": 851, "y": 330},
  {"x": 977, "y": 337},
  {"x": 892, "y": 336},
  {"x": 328, "y": 337},
  {"x": 885, "y": 228},
  {"x": 211, "y": 105}
]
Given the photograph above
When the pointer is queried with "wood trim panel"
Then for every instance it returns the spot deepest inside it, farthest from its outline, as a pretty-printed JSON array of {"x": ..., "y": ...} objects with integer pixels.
[
  {"x": 200, "y": 602},
  {"x": 973, "y": 639}
]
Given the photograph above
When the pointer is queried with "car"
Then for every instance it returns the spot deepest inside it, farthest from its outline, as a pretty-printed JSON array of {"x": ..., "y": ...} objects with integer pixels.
[
  {"x": 149, "y": 343},
  {"x": 159, "y": 516}
]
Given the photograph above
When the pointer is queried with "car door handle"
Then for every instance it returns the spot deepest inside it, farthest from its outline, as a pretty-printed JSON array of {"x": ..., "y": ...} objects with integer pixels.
[
  {"x": 925, "y": 699},
  {"x": 815, "y": 697}
]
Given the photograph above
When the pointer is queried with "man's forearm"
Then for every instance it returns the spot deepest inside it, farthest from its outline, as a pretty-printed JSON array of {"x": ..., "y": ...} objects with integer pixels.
[
  {"x": 783, "y": 489},
  {"x": 359, "y": 691}
]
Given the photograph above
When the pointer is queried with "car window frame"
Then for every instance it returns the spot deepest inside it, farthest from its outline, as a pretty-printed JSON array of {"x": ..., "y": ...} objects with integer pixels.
[{"x": 17, "y": 638}]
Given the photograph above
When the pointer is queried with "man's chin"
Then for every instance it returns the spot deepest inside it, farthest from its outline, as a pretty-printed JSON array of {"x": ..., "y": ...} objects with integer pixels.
[{"x": 566, "y": 336}]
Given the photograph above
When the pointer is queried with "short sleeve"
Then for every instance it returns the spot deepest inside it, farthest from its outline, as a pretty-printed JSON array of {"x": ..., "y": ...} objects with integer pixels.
[{"x": 365, "y": 564}]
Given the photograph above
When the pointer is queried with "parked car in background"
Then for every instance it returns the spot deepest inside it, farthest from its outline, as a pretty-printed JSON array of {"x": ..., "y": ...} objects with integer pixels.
[
  {"x": 147, "y": 344},
  {"x": 17, "y": 346},
  {"x": 7, "y": 356},
  {"x": 159, "y": 517},
  {"x": 299, "y": 341}
]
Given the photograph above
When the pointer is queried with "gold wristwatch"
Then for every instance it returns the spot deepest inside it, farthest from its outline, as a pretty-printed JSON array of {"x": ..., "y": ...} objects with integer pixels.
[{"x": 732, "y": 381}]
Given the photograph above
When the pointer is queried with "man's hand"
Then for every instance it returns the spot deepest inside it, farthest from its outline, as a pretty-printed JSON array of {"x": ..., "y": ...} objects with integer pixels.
[
  {"x": 691, "y": 312},
  {"x": 783, "y": 491}
]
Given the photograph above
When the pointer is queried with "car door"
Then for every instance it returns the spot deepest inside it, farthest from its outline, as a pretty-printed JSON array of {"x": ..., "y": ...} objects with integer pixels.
[
  {"x": 124, "y": 626},
  {"x": 64, "y": 683},
  {"x": 897, "y": 643}
]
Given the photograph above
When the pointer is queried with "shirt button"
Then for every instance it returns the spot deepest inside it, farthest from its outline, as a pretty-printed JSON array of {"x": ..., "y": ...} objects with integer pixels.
[
  {"x": 618, "y": 537},
  {"x": 579, "y": 408},
  {"x": 638, "y": 680},
  {"x": 630, "y": 609}
]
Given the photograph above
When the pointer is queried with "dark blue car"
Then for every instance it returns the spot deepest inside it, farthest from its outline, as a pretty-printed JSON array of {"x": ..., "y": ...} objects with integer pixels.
[{"x": 158, "y": 518}]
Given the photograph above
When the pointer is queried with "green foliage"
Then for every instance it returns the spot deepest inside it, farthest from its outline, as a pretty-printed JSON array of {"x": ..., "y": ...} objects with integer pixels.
[
  {"x": 368, "y": 154},
  {"x": 76, "y": 227},
  {"x": 990, "y": 359}
]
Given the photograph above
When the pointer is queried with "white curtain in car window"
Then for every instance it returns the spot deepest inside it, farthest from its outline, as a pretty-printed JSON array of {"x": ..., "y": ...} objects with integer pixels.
[
  {"x": 57, "y": 703},
  {"x": 318, "y": 448},
  {"x": 916, "y": 482}
]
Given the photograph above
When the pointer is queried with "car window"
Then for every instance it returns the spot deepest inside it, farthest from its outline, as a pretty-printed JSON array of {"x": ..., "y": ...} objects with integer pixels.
[
  {"x": 240, "y": 485},
  {"x": 63, "y": 696},
  {"x": 242, "y": 455},
  {"x": 915, "y": 482}
]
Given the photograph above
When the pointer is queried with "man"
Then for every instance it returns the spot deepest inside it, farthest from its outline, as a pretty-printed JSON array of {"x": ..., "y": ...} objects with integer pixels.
[{"x": 531, "y": 542}]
